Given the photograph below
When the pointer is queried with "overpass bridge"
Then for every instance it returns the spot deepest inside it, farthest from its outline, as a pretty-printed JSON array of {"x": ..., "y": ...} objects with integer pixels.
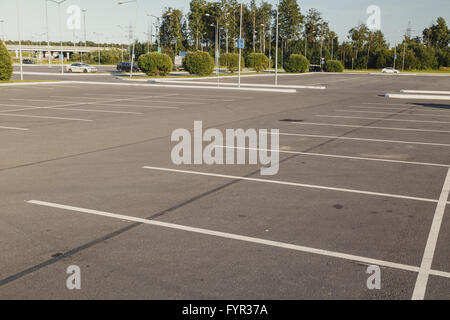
[{"x": 42, "y": 50}]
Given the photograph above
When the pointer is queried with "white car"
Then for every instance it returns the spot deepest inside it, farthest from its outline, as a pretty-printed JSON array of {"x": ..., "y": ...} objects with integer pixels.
[
  {"x": 80, "y": 67},
  {"x": 390, "y": 70}
]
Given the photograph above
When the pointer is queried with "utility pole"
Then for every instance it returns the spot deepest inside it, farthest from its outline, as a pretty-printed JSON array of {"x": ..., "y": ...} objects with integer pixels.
[
  {"x": 20, "y": 40},
  {"x": 276, "y": 48},
  {"x": 240, "y": 50},
  {"x": 85, "y": 41}
]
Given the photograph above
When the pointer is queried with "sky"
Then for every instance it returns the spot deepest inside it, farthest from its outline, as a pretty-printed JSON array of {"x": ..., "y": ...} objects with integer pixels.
[{"x": 104, "y": 16}]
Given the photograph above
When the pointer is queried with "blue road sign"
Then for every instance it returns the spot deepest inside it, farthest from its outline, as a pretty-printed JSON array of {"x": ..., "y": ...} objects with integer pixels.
[
  {"x": 395, "y": 57},
  {"x": 240, "y": 43}
]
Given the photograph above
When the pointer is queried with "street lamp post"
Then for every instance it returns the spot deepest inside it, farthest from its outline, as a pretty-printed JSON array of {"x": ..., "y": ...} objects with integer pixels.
[
  {"x": 135, "y": 31},
  {"x": 84, "y": 27},
  {"x": 58, "y": 2},
  {"x": 276, "y": 45},
  {"x": 20, "y": 40},
  {"x": 2, "y": 35}
]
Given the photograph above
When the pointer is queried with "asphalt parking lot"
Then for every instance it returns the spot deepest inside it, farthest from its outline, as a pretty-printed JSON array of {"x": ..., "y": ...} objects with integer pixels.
[{"x": 360, "y": 181}]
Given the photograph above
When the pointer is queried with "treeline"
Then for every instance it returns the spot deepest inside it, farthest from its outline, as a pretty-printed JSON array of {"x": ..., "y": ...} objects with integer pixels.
[{"x": 299, "y": 33}]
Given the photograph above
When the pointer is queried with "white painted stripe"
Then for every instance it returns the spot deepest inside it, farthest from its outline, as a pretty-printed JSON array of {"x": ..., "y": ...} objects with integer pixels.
[
  {"x": 382, "y": 119},
  {"x": 362, "y": 139},
  {"x": 13, "y": 84},
  {"x": 293, "y": 184},
  {"x": 187, "y": 86},
  {"x": 367, "y": 127},
  {"x": 425, "y": 92},
  {"x": 415, "y": 96},
  {"x": 231, "y": 236},
  {"x": 14, "y": 128},
  {"x": 389, "y": 104},
  {"x": 43, "y": 117},
  {"x": 243, "y": 84},
  {"x": 342, "y": 157},
  {"x": 427, "y": 259},
  {"x": 399, "y": 114},
  {"x": 62, "y": 107},
  {"x": 385, "y": 108},
  {"x": 132, "y": 106},
  {"x": 440, "y": 273}
]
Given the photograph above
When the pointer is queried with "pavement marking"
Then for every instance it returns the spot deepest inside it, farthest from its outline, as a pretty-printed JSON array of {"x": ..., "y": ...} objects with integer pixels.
[
  {"x": 293, "y": 184},
  {"x": 425, "y": 92},
  {"x": 389, "y": 104},
  {"x": 341, "y": 157},
  {"x": 231, "y": 236},
  {"x": 187, "y": 86},
  {"x": 415, "y": 96},
  {"x": 63, "y": 107},
  {"x": 43, "y": 117},
  {"x": 399, "y": 114},
  {"x": 362, "y": 139},
  {"x": 242, "y": 84},
  {"x": 383, "y": 119},
  {"x": 367, "y": 127},
  {"x": 134, "y": 99},
  {"x": 427, "y": 260},
  {"x": 14, "y": 128},
  {"x": 385, "y": 108},
  {"x": 333, "y": 81},
  {"x": 100, "y": 103}
]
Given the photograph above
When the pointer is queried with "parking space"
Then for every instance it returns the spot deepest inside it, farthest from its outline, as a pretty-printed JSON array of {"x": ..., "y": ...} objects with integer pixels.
[{"x": 88, "y": 180}]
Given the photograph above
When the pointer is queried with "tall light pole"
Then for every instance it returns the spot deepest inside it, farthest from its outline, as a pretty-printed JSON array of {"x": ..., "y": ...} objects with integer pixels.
[
  {"x": 2, "y": 35},
  {"x": 20, "y": 40},
  {"x": 58, "y": 2},
  {"x": 240, "y": 49},
  {"x": 98, "y": 46},
  {"x": 276, "y": 45},
  {"x": 85, "y": 31},
  {"x": 135, "y": 31}
]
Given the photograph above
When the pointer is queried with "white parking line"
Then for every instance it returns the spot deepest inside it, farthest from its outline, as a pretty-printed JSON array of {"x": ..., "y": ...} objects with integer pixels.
[
  {"x": 43, "y": 117},
  {"x": 367, "y": 127},
  {"x": 100, "y": 103},
  {"x": 293, "y": 184},
  {"x": 425, "y": 91},
  {"x": 362, "y": 139},
  {"x": 382, "y": 119},
  {"x": 427, "y": 259},
  {"x": 389, "y": 104},
  {"x": 63, "y": 107},
  {"x": 415, "y": 96},
  {"x": 342, "y": 157},
  {"x": 244, "y": 84},
  {"x": 399, "y": 114},
  {"x": 14, "y": 128},
  {"x": 134, "y": 99},
  {"x": 237, "y": 237}
]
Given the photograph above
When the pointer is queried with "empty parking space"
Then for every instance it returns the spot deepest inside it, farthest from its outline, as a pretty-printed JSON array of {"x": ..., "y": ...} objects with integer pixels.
[{"x": 87, "y": 179}]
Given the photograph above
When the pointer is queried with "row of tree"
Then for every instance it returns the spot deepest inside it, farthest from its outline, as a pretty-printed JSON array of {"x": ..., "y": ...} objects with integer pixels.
[{"x": 308, "y": 34}]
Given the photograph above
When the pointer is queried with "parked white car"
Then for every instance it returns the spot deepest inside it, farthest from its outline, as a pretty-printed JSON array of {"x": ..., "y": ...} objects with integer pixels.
[
  {"x": 80, "y": 67},
  {"x": 390, "y": 70}
]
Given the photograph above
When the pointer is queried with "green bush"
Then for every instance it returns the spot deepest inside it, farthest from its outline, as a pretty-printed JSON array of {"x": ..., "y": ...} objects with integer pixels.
[
  {"x": 6, "y": 67},
  {"x": 199, "y": 63},
  {"x": 334, "y": 66},
  {"x": 155, "y": 64},
  {"x": 297, "y": 63},
  {"x": 257, "y": 61},
  {"x": 231, "y": 61}
]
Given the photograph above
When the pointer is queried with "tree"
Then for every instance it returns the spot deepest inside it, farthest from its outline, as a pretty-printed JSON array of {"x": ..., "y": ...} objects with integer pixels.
[
  {"x": 438, "y": 35},
  {"x": 196, "y": 19},
  {"x": 171, "y": 31},
  {"x": 6, "y": 68}
]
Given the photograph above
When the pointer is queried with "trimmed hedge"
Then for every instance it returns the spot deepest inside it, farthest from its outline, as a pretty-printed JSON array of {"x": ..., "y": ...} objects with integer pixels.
[
  {"x": 199, "y": 63},
  {"x": 334, "y": 66},
  {"x": 6, "y": 67},
  {"x": 258, "y": 61},
  {"x": 155, "y": 64},
  {"x": 297, "y": 63},
  {"x": 231, "y": 61}
]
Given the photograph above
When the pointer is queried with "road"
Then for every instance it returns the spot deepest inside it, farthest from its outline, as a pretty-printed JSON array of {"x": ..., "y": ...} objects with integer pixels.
[{"x": 361, "y": 182}]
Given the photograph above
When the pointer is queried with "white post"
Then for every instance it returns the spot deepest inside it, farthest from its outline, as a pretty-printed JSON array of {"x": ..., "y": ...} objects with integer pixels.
[
  {"x": 20, "y": 40},
  {"x": 240, "y": 50},
  {"x": 60, "y": 38},
  {"x": 48, "y": 37},
  {"x": 276, "y": 48}
]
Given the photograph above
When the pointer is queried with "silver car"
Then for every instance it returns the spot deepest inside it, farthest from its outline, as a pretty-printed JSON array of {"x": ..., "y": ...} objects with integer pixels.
[
  {"x": 390, "y": 70},
  {"x": 80, "y": 67}
]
